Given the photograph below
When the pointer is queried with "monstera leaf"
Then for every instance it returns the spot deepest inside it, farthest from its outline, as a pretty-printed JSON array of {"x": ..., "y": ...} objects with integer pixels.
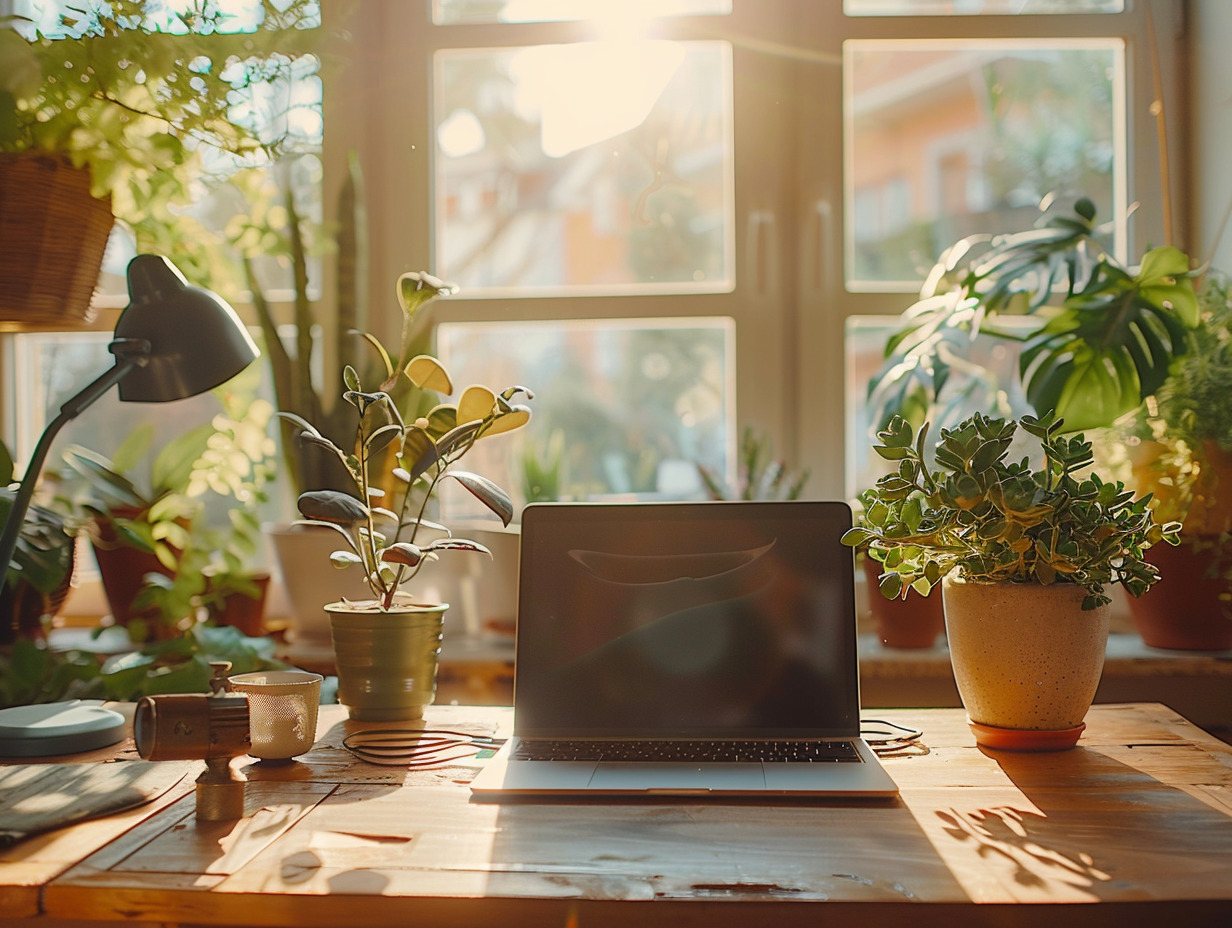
[{"x": 1110, "y": 346}]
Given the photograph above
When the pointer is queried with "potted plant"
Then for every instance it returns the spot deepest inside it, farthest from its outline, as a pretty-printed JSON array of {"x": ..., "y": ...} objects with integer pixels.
[
  {"x": 324, "y": 341},
  {"x": 1024, "y": 555},
  {"x": 148, "y": 534},
  {"x": 761, "y": 475},
  {"x": 138, "y": 530},
  {"x": 1182, "y": 449},
  {"x": 386, "y": 647},
  {"x": 108, "y": 115},
  {"x": 42, "y": 568},
  {"x": 910, "y": 621}
]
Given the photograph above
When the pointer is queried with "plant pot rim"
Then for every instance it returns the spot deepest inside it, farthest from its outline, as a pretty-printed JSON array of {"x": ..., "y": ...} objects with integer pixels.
[{"x": 372, "y": 607}]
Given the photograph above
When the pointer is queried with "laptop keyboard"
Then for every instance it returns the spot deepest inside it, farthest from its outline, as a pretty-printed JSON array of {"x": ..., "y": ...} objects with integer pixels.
[{"x": 799, "y": 752}]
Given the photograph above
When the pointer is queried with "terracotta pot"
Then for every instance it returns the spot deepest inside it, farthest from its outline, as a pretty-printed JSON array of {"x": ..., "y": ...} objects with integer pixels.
[
  {"x": 237, "y": 609},
  {"x": 386, "y": 661},
  {"x": 914, "y": 622},
  {"x": 1189, "y": 608},
  {"x": 1027, "y": 660},
  {"x": 123, "y": 569}
]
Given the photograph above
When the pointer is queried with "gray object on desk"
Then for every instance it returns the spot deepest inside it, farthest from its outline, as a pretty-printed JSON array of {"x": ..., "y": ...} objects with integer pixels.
[{"x": 59, "y": 728}]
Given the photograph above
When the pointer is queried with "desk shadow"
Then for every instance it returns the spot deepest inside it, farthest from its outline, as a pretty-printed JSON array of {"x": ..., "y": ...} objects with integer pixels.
[
  {"x": 329, "y": 761},
  {"x": 302, "y": 867},
  {"x": 1115, "y": 840}
]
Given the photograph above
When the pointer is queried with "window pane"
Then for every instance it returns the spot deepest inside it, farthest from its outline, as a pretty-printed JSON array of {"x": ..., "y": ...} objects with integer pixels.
[
  {"x": 949, "y": 139},
  {"x": 587, "y": 169},
  {"x": 986, "y": 382},
  {"x": 448, "y": 12},
  {"x": 622, "y": 408},
  {"x": 287, "y": 107},
  {"x": 977, "y": 7}
]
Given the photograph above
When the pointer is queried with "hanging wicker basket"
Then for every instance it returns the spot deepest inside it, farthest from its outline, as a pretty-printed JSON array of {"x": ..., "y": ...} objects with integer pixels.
[{"x": 52, "y": 237}]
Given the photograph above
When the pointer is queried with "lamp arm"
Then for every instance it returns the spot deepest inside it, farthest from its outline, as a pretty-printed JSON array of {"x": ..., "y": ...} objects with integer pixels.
[{"x": 125, "y": 362}]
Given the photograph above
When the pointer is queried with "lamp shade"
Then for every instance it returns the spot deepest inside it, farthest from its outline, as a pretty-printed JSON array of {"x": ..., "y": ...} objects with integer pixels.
[{"x": 196, "y": 340}]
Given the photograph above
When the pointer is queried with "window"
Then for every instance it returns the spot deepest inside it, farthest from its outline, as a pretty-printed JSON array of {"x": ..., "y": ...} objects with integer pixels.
[
  {"x": 969, "y": 137},
  {"x": 770, "y": 205}
]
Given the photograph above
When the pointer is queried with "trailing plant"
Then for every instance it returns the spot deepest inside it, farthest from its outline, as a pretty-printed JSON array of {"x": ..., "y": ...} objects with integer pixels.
[
  {"x": 137, "y": 93},
  {"x": 389, "y": 545},
  {"x": 990, "y": 519},
  {"x": 1100, "y": 337}
]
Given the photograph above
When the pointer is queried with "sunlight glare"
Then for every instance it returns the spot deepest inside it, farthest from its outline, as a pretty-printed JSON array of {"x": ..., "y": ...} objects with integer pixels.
[{"x": 591, "y": 92}]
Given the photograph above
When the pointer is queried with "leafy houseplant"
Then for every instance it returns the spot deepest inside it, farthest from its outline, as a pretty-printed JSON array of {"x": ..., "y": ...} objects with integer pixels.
[
  {"x": 136, "y": 530},
  {"x": 32, "y": 673},
  {"x": 149, "y": 538},
  {"x": 38, "y": 579},
  {"x": 390, "y": 545},
  {"x": 1019, "y": 551},
  {"x": 1100, "y": 337},
  {"x": 1182, "y": 446},
  {"x": 130, "y": 95}
]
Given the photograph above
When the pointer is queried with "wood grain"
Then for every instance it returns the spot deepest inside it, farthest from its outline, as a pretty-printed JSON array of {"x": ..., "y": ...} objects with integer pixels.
[{"x": 1139, "y": 813}]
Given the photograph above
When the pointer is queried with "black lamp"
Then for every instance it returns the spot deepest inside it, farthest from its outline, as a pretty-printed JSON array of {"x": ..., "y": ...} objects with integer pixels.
[{"x": 173, "y": 341}]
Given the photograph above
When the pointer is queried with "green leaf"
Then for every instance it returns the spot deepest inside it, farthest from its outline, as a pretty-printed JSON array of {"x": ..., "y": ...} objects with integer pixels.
[{"x": 487, "y": 492}]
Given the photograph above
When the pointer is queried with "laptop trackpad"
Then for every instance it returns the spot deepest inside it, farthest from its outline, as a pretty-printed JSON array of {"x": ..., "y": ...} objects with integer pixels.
[{"x": 700, "y": 777}]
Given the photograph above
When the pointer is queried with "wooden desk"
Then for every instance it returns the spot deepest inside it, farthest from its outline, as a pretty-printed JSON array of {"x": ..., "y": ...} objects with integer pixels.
[{"x": 1137, "y": 819}]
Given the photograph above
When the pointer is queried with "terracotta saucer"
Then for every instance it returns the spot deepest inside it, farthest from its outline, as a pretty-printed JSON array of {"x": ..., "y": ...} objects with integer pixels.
[{"x": 1024, "y": 739}]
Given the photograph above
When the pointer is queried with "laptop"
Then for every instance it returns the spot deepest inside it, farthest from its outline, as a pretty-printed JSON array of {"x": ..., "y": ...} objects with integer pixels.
[{"x": 685, "y": 649}]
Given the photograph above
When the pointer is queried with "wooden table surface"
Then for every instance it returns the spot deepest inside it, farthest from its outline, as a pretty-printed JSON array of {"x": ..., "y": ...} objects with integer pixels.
[{"x": 1137, "y": 819}]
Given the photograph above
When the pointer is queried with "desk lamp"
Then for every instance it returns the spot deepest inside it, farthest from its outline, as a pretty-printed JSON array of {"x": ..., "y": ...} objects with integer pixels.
[{"x": 173, "y": 341}]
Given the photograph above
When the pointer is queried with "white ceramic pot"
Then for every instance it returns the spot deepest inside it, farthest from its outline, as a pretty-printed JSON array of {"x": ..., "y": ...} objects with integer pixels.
[
  {"x": 386, "y": 661},
  {"x": 308, "y": 579},
  {"x": 1027, "y": 660}
]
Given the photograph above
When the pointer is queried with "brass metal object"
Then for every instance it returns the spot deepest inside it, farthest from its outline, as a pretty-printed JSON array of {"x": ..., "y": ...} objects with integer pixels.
[{"x": 193, "y": 726}]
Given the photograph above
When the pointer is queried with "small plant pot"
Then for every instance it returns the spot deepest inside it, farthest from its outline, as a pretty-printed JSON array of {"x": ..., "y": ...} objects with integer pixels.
[
  {"x": 912, "y": 623},
  {"x": 300, "y": 552},
  {"x": 123, "y": 569},
  {"x": 386, "y": 661},
  {"x": 1190, "y": 606},
  {"x": 1027, "y": 660},
  {"x": 241, "y": 611}
]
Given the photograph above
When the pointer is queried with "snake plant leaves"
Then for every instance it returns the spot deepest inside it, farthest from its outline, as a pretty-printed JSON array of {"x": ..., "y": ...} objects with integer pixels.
[{"x": 487, "y": 493}]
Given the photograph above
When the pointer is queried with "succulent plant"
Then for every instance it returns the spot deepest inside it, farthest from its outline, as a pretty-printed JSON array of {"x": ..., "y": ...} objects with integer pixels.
[{"x": 992, "y": 519}]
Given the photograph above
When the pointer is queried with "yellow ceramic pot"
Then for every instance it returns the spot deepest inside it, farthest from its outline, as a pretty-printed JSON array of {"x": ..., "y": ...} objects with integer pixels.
[{"x": 1027, "y": 660}]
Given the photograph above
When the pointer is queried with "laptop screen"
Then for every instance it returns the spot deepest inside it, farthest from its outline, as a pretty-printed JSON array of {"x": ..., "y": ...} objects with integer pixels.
[{"x": 723, "y": 619}]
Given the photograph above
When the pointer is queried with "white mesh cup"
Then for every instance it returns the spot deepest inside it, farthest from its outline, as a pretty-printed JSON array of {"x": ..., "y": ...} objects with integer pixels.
[{"x": 282, "y": 710}]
